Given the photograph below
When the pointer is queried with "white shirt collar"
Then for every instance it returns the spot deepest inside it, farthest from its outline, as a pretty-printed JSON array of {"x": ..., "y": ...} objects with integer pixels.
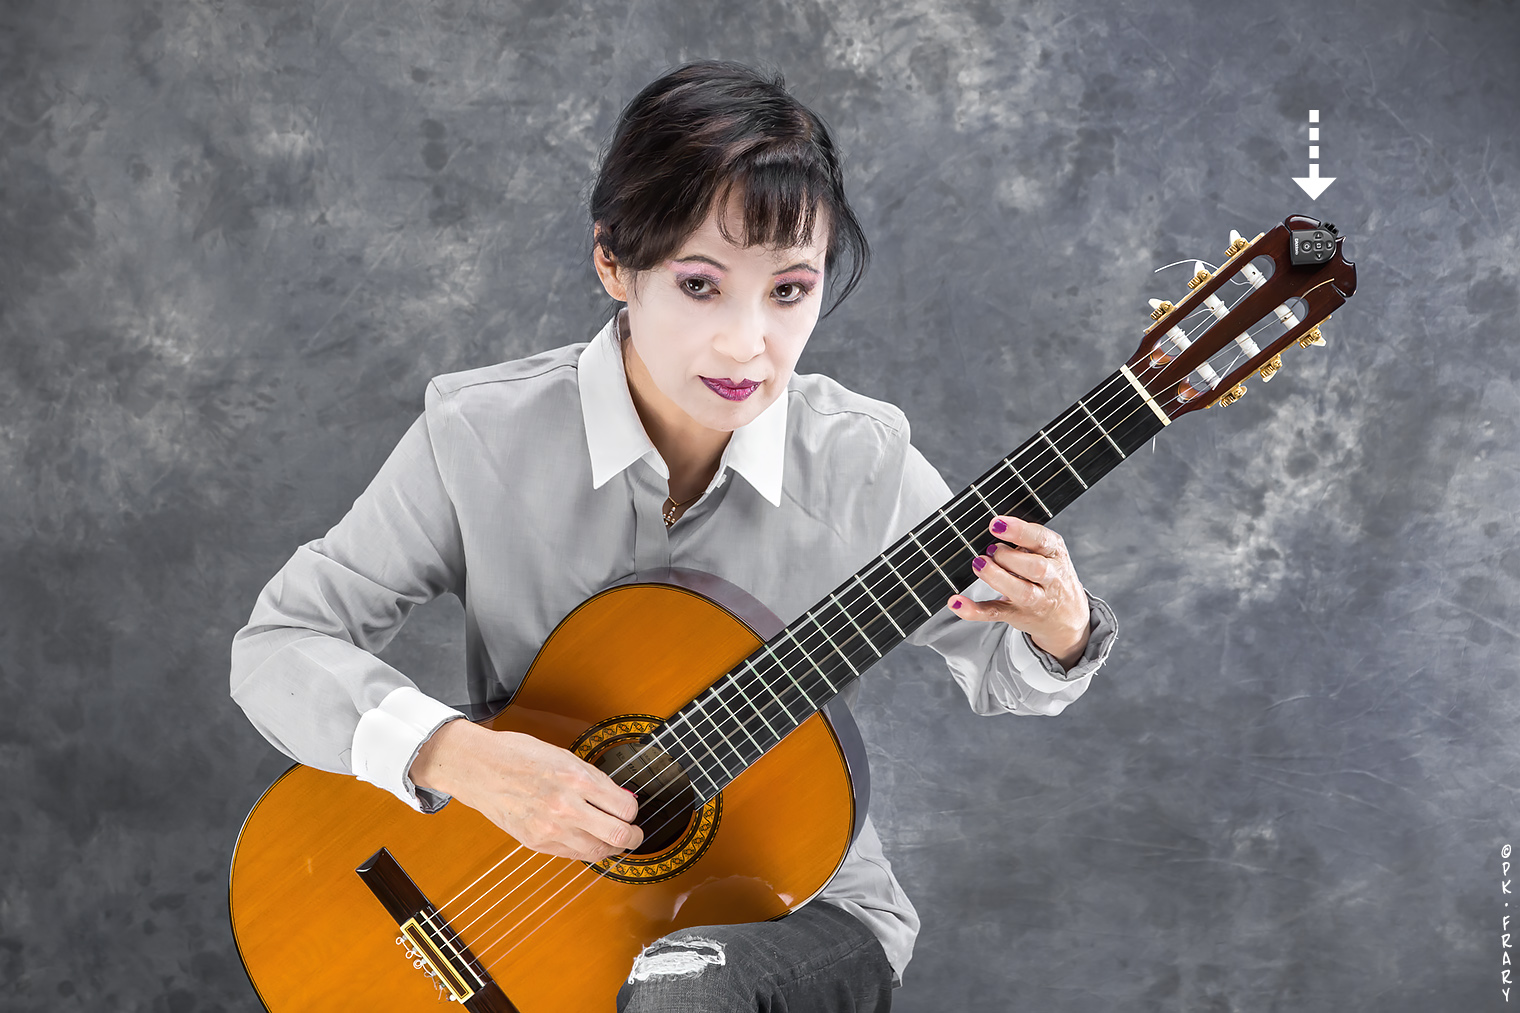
[{"x": 615, "y": 436}]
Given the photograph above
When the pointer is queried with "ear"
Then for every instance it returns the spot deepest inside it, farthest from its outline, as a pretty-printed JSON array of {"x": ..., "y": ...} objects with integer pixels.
[{"x": 608, "y": 269}]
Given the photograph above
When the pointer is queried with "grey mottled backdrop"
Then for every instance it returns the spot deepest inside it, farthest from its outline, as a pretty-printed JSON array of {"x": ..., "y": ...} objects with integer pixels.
[{"x": 239, "y": 236}]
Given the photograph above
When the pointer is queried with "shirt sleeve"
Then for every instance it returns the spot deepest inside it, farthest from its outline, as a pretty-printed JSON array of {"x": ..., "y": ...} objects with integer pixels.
[
  {"x": 304, "y": 668},
  {"x": 999, "y": 668}
]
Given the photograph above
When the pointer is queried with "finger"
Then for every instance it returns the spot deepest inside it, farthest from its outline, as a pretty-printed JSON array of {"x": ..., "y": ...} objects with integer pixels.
[
  {"x": 1033, "y": 567},
  {"x": 1029, "y": 535},
  {"x": 610, "y": 797},
  {"x": 1003, "y": 569},
  {"x": 615, "y": 833},
  {"x": 1016, "y": 595},
  {"x": 586, "y": 847},
  {"x": 970, "y": 608}
]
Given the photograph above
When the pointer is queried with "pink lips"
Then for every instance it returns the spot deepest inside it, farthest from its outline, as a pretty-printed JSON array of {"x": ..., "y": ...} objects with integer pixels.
[{"x": 731, "y": 391}]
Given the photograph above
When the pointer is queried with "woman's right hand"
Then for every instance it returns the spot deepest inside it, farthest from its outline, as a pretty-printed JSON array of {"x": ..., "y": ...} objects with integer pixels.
[{"x": 546, "y": 797}]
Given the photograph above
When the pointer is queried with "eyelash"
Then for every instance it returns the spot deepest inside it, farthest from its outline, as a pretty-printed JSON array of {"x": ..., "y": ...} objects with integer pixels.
[{"x": 684, "y": 284}]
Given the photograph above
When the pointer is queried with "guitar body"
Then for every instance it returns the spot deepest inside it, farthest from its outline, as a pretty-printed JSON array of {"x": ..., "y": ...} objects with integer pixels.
[{"x": 553, "y": 934}]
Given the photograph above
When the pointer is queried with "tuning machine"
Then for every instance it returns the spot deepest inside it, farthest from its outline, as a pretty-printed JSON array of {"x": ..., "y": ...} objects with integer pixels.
[{"x": 1230, "y": 396}]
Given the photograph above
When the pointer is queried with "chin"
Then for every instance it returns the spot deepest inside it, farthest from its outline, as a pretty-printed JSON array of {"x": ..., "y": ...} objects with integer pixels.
[{"x": 742, "y": 414}]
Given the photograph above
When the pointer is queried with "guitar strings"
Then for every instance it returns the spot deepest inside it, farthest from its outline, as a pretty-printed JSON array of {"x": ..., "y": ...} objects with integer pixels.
[
  {"x": 857, "y": 599},
  {"x": 1044, "y": 485},
  {"x": 507, "y": 934},
  {"x": 550, "y": 859},
  {"x": 737, "y": 679},
  {"x": 1234, "y": 279},
  {"x": 550, "y": 897},
  {"x": 457, "y": 930}
]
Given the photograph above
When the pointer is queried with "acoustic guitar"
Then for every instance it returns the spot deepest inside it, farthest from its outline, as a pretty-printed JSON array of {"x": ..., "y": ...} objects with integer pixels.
[{"x": 750, "y": 775}]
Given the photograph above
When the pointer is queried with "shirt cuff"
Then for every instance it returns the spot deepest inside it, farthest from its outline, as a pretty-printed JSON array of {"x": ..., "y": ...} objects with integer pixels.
[
  {"x": 1050, "y": 677},
  {"x": 388, "y": 739}
]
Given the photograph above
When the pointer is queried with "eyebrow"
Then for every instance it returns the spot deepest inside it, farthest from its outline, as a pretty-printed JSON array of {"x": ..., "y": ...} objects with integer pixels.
[{"x": 801, "y": 265}]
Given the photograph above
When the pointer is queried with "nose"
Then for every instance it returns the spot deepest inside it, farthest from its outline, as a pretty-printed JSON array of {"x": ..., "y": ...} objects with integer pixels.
[{"x": 743, "y": 334}]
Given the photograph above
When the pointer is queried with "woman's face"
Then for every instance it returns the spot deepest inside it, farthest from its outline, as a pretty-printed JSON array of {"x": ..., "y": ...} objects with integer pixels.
[{"x": 717, "y": 313}]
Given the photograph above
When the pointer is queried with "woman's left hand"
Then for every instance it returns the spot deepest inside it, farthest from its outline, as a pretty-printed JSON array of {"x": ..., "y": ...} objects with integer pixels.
[{"x": 1039, "y": 592}]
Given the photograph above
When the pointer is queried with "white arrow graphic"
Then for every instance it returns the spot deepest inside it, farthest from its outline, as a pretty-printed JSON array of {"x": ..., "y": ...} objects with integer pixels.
[{"x": 1313, "y": 185}]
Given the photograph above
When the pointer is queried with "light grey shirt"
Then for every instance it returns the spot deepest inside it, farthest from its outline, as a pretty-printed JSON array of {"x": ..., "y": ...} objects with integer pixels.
[{"x": 525, "y": 487}]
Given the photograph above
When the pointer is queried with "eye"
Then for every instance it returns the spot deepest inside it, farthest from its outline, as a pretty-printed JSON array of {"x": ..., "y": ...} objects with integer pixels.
[
  {"x": 791, "y": 292},
  {"x": 697, "y": 285}
]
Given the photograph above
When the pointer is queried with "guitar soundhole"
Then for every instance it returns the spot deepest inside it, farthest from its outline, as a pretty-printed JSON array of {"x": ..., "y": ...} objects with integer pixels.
[{"x": 666, "y": 799}]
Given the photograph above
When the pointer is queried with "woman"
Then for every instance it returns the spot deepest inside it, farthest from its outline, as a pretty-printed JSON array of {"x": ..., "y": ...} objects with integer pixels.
[{"x": 719, "y": 214}]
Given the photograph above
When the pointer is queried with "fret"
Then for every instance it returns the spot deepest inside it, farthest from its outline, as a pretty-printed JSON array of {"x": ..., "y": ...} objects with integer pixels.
[
  {"x": 692, "y": 766},
  {"x": 853, "y": 623},
  {"x": 697, "y": 703},
  {"x": 881, "y": 606},
  {"x": 956, "y": 528},
  {"x": 990, "y": 508},
  {"x": 927, "y": 610},
  {"x": 670, "y": 726},
  {"x": 1099, "y": 425},
  {"x": 770, "y": 689},
  {"x": 702, "y": 769},
  {"x": 693, "y": 763},
  {"x": 1098, "y": 457},
  {"x": 821, "y": 673},
  {"x": 665, "y": 739},
  {"x": 759, "y": 713},
  {"x": 1009, "y": 462},
  {"x": 1126, "y": 418},
  {"x": 1063, "y": 459},
  {"x": 717, "y": 694},
  {"x": 788, "y": 673},
  {"x": 926, "y": 553}
]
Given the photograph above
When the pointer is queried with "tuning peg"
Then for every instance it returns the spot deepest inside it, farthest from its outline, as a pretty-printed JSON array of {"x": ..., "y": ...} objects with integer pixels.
[
  {"x": 1270, "y": 368},
  {"x": 1200, "y": 274},
  {"x": 1160, "y": 308},
  {"x": 1232, "y": 395},
  {"x": 1237, "y": 243},
  {"x": 1313, "y": 337}
]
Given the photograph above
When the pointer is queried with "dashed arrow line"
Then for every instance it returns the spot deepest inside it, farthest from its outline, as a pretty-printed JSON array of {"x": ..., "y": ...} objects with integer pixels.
[{"x": 1313, "y": 185}]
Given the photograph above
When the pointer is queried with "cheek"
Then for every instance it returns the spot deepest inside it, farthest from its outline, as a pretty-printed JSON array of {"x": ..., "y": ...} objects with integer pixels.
[
  {"x": 675, "y": 336},
  {"x": 789, "y": 337}
]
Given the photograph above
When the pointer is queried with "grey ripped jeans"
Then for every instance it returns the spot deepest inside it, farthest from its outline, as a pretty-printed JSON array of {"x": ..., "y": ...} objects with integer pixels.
[{"x": 819, "y": 959}]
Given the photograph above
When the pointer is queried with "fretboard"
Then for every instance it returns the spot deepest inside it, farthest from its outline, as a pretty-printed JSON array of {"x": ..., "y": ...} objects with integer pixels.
[{"x": 745, "y": 713}]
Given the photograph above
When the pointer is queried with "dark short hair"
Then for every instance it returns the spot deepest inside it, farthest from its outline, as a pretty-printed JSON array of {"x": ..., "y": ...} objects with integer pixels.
[{"x": 701, "y": 130}]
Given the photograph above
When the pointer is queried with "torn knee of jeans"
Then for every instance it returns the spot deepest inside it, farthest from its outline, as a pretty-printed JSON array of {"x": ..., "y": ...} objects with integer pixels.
[{"x": 676, "y": 958}]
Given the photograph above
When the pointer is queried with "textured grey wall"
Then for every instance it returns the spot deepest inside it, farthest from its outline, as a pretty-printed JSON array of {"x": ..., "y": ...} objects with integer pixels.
[{"x": 239, "y": 236}]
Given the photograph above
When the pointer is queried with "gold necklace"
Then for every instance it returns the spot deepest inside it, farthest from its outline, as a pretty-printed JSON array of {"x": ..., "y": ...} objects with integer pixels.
[{"x": 670, "y": 511}]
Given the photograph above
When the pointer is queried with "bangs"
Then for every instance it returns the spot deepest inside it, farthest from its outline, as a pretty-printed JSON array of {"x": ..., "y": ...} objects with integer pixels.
[
  {"x": 782, "y": 191},
  {"x": 704, "y": 133}
]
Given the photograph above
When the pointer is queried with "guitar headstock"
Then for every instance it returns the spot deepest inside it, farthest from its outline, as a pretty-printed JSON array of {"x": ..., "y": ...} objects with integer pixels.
[{"x": 1190, "y": 365}]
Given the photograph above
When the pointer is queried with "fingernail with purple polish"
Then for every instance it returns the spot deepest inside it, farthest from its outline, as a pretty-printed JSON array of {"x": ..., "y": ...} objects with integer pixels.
[
  {"x": 999, "y": 526},
  {"x": 992, "y": 548},
  {"x": 978, "y": 563},
  {"x": 955, "y": 604}
]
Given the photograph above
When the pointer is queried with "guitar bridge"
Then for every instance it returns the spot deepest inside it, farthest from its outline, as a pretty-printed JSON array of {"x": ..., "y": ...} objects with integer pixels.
[
  {"x": 434, "y": 947},
  {"x": 422, "y": 946}
]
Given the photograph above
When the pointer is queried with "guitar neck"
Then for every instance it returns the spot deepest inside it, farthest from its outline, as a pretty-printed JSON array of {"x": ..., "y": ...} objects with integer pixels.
[{"x": 749, "y": 710}]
